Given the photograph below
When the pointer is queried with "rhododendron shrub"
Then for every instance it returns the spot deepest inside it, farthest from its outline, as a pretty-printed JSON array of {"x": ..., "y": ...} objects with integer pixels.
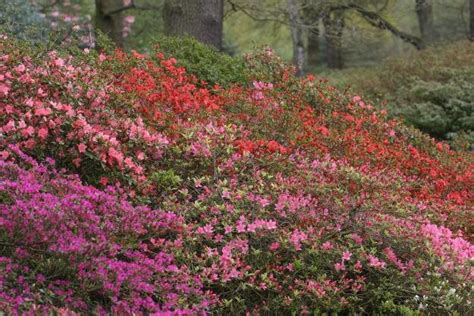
[{"x": 278, "y": 196}]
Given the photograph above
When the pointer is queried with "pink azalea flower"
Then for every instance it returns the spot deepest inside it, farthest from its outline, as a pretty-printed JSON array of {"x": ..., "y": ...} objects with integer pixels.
[
  {"x": 43, "y": 133},
  {"x": 376, "y": 262},
  {"x": 327, "y": 246},
  {"x": 82, "y": 148},
  {"x": 339, "y": 266},
  {"x": 43, "y": 112},
  {"x": 20, "y": 68},
  {"x": 346, "y": 256},
  {"x": 274, "y": 246}
]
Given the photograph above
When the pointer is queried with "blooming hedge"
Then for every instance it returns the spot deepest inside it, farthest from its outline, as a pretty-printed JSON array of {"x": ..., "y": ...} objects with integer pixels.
[{"x": 129, "y": 186}]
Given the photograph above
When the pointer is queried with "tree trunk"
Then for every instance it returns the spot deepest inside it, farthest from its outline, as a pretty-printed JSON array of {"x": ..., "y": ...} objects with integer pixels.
[
  {"x": 109, "y": 20},
  {"x": 333, "y": 29},
  {"x": 296, "y": 37},
  {"x": 471, "y": 17},
  {"x": 201, "y": 19},
  {"x": 424, "y": 12},
  {"x": 312, "y": 16},
  {"x": 313, "y": 47}
]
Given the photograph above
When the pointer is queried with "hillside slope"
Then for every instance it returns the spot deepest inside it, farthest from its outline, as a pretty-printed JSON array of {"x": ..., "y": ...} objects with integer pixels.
[{"x": 129, "y": 186}]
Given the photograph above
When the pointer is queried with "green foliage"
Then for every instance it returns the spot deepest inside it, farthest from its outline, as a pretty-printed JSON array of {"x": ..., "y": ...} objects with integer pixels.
[
  {"x": 104, "y": 42},
  {"x": 21, "y": 19},
  {"x": 248, "y": 33},
  {"x": 166, "y": 180},
  {"x": 391, "y": 308},
  {"x": 5, "y": 198},
  {"x": 442, "y": 109},
  {"x": 204, "y": 61}
]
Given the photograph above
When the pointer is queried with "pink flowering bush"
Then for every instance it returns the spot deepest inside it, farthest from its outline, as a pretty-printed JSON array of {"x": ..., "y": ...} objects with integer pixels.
[
  {"x": 74, "y": 123},
  {"x": 170, "y": 196}
]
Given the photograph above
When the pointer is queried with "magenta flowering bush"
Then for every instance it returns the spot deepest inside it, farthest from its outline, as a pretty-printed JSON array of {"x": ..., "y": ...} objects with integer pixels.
[
  {"x": 168, "y": 196},
  {"x": 72, "y": 247}
]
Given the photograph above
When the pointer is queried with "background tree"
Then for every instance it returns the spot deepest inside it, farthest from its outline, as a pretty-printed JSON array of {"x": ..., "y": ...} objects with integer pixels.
[
  {"x": 109, "y": 20},
  {"x": 296, "y": 27},
  {"x": 333, "y": 13},
  {"x": 250, "y": 23},
  {"x": 424, "y": 12},
  {"x": 333, "y": 31},
  {"x": 471, "y": 19},
  {"x": 312, "y": 16},
  {"x": 376, "y": 19},
  {"x": 201, "y": 19}
]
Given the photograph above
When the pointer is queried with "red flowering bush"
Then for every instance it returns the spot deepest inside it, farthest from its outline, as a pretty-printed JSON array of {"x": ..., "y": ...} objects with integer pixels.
[{"x": 282, "y": 195}]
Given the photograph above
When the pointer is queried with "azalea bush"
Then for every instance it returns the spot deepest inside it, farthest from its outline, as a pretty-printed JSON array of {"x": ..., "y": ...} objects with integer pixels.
[
  {"x": 130, "y": 186},
  {"x": 70, "y": 246}
]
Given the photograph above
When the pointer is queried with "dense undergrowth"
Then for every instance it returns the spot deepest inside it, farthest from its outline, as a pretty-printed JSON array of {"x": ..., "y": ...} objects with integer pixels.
[
  {"x": 129, "y": 186},
  {"x": 432, "y": 90}
]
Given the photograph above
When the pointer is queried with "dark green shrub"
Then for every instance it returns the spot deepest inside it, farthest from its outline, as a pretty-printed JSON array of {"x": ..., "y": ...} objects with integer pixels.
[
  {"x": 441, "y": 109},
  {"x": 204, "y": 61}
]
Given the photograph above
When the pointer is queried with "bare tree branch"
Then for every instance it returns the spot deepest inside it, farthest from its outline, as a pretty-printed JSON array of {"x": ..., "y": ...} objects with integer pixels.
[
  {"x": 372, "y": 17},
  {"x": 133, "y": 5},
  {"x": 268, "y": 16},
  {"x": 378, "y": 21}
]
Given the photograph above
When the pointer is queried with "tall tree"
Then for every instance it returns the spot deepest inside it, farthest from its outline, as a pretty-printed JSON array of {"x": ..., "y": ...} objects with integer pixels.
[
  {"x": 471, "y": 10},
  {"x": 297, "y": 37},
  {"x": 333, "y": 30},
  {"x": 201, "y": 19},
  {"x": 312, "y": 15},
  {"x": 109, "y": 20},
  {"x": 424, "y": 12}
]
